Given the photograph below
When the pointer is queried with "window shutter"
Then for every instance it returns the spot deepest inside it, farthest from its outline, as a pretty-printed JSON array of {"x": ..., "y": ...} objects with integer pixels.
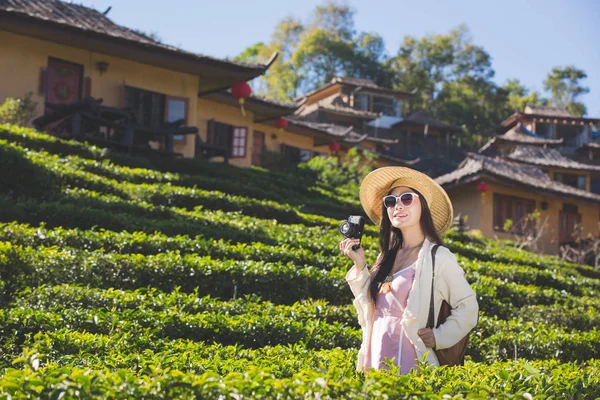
[
  {"x": 210, "y": 131},
  {"x": 43, "y": 81},
  {"x": 87, "y": 87}
]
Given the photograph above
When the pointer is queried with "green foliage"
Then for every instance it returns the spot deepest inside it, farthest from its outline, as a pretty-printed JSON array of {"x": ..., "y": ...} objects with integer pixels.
[
  {"x": 127, "y": 278},
  {"x": 344, "y": 176},
  {"x": 565, "y": 85},
  {"x": 17, "y": 110}
]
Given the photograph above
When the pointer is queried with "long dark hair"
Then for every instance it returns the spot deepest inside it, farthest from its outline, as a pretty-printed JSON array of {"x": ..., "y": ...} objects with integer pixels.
[{"x": 390, "y": 240}]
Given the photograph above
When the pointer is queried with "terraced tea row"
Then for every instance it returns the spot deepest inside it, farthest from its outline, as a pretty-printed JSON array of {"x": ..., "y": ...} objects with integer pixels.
[
  {"x": 502, "y": 380},
  {"x": 150, "y": 244},
  {"x": 251, "y": 323}
]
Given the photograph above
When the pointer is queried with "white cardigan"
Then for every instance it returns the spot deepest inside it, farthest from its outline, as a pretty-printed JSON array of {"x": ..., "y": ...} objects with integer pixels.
[{"x": 450, "y": 285}]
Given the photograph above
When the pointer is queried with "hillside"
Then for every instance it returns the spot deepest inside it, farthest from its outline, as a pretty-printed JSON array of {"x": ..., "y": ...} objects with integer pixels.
[{"x": 119, "y": 276}]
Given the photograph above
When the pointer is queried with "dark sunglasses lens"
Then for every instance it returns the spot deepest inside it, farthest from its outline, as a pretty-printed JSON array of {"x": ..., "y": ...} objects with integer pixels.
[
  {"x": 389, "y": 201},
  {"x": 406, "y": 199}
]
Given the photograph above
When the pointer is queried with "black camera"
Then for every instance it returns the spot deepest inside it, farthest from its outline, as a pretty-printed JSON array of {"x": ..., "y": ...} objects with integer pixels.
[{"x": 353, "y": 228}]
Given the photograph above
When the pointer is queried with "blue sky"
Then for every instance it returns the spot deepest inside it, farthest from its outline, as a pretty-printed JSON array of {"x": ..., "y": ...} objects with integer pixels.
[{"x": 526, "y": 38}]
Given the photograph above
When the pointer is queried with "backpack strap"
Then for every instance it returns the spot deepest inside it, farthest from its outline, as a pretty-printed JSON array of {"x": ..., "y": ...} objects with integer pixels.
[{"x": 430, "y": 320}]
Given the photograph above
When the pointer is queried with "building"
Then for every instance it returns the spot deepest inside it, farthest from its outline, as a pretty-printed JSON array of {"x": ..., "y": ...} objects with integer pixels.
[
  {"x": 417, "y": 139},
  {"x": 168, "y": 99},
  {"x": 557, "y": 124},
  {"x": 531, "y": 168},
  {"x": 492, "y": 190}
]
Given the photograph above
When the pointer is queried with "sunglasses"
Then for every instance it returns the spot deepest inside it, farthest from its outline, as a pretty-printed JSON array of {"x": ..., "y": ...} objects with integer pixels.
[{"x": 405, "y": 199}]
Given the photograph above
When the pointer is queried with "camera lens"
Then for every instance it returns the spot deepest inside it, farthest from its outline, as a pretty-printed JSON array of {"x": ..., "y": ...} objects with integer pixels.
[{"x": 345, "y": 228}]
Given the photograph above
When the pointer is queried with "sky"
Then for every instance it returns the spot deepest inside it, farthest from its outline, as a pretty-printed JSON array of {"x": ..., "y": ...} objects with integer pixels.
[{"x": 526, "y": 38}]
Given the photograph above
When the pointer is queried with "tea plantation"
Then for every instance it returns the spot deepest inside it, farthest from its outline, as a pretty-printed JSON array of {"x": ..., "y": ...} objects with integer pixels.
[{"x": 125, "y": 277}]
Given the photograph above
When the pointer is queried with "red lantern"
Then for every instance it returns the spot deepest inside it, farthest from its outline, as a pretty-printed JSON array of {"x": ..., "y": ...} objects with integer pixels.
[
  {"x": 241, "y": 91},
  {"x": 483, "y": 187},
  {"x": 334, "y": 146},
  {"x": 281, "y": 123}
]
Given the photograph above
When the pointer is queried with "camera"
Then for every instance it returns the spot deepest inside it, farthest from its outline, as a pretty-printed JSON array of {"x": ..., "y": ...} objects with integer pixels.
[{"x": 353, "y": 228}]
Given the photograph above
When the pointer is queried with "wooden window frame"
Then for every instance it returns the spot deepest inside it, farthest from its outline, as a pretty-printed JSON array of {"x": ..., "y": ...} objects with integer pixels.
[
  {"x": 187, "y": 109},
  {"x": 503, "y": 205},
  {"x": 243, "y": 147},
  {"x": 147, "y": 92}
]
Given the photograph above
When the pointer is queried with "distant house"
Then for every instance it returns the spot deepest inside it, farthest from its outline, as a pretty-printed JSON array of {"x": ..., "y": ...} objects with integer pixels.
[
  {"x": 149, "y": 94},
  {"x": 513, "y": 190},
  {"x": 416, "y": 139},
  {"x": 63, "y": 52},
  {"x": 532, "y": 165},
  {"x": 556, "y": 124}
]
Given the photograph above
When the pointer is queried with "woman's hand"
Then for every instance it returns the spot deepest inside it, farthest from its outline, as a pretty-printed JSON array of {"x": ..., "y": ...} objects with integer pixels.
[
  {"x": 358, "y": 255},
  {"x": 427, "y": 337}
]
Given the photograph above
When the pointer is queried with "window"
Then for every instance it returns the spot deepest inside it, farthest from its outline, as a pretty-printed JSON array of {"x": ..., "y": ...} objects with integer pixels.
[
  {"x": 305, "y": 155},
  {"x": 148, "y": 107},
  {"x": 572, "y": 135},
  {"x": 543, "y": 129},
  {"x": 576, "y": 181},
  {"x": 387, "y": 106},
  {"x": 290, "y": 153},
  {"x": 238, "y": 149},
  {"x": 177, "y": 108},
  {"x": 569, "y": 220},
  {"x": 362, "y": 102},
  {"x": 228, "y": 137},
  {"x": 595, "y": 185},
  {"x": 516, "y": 209}
]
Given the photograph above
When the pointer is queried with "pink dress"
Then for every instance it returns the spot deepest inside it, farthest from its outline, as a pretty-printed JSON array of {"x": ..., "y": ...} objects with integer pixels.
[{"x": 387, "y": 338}]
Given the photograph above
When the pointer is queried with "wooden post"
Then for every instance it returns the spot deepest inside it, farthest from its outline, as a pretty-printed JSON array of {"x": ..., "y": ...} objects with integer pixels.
[
  {"x": 76, "y": 126},
  {"x": 169, "y": 143},
  {"x": 128, "y": 136}
]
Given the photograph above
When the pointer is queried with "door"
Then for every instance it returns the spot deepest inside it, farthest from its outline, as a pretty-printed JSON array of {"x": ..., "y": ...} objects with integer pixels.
[
  {"x": 567, "y": 223},
  {"x": 65, "y": 81},
  {"x": 258, "y": 142}
]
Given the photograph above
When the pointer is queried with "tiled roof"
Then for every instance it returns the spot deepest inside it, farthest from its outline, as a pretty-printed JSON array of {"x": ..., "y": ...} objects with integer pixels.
[
  {"x": 549, "y": 111},
  {"x": 517, "y": 135},
  {"x": 387, "y": 157},
  {"x": 328, "y": 105},
  {"x": 91, "y": 20},
  {"x": 358, "y": 82},
  {"x": 345, "y": 133},
  {"x": 547, "y": 158},
  {"x": 330, "y": 129},
  {"x": 423, "y": 118},
  {"x": 592, "y": 145},
  {"x": 476, "y": 165}
]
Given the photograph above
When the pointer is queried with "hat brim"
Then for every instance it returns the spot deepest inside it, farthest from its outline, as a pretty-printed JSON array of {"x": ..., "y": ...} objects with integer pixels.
[{"x": 378, "y": 183}]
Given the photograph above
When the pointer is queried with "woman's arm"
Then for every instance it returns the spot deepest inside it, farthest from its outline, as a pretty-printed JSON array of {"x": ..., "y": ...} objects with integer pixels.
[{"x": 461, "y": 297}]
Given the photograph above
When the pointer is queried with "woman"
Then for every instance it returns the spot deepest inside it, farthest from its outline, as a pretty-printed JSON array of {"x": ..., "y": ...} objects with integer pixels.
[{"x": 392, "y": 299}]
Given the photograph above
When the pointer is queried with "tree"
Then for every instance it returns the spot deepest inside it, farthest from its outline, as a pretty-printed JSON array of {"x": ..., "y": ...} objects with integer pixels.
[
  {"x": 453, "y": 78},
  {"x": 282, "y": 79},
  {"x": 519, "y": 96},
  {"x": 312, "y": 54},
  {"x": 564, "y": 84}
]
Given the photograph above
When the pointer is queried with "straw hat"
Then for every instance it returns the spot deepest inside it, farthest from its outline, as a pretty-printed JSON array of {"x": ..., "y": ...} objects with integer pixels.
[{"x": 380, "y": 181}]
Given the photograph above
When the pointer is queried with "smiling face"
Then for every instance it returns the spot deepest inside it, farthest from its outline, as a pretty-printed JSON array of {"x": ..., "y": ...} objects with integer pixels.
[{"x": 404, "y": 217}]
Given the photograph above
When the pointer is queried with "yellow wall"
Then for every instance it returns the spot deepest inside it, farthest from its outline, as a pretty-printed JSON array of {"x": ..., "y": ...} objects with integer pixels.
[
  {"x": 207, "y": 110},
  {"x": 467, "y": 198},
  {"x": 468, "y": 202},
  {"x": 22, "y": 58},
  {"x": 274, "y": 137}
]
